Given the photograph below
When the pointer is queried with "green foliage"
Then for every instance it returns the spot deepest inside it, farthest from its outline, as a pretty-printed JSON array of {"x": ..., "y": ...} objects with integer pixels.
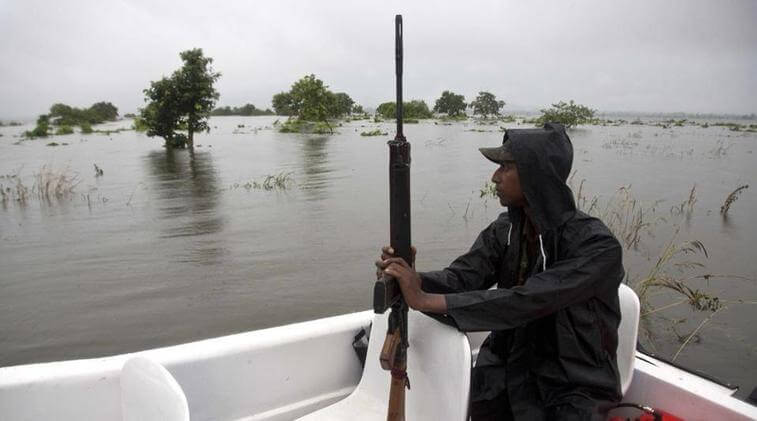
[
  {"x": 139, "y": 125},
  {"x": 357, "y": 109},
  {"x": 295, "y": 125},
  {"x": 568, "y": 114},
  {"x": 310, "y": 100},
  {"x": 86, "y": 128},
  {"x": 130, "y": 115},
  {"x": 387, "y": 110},
  {"x": 450, "y": 103},
  {"x": 245, "y": 110},
  {"x": 282, "y": 104},
  {"x": 62, "y": 130},
  {"x": 413, "y": 110},
  {"x": 343, "y": 104},
  {"x": 486, "y": 104},
  {"x": 102, "y": 111},
  {"x": 182, "y": 102},
  {"x": 43, "y": 126},
  {"x": 66, "y": 115}
]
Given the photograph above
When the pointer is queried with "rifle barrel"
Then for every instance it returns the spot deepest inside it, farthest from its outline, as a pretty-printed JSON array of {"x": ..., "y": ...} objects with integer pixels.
[{"x": 398, "y": 64}]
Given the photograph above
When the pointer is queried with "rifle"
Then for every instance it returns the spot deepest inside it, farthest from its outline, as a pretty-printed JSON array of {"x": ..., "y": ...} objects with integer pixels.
[{"x": 386, "y": 291}]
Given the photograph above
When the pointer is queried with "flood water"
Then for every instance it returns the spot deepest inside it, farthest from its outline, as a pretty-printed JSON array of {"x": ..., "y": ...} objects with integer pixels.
[{"x": 168, "y": 246}]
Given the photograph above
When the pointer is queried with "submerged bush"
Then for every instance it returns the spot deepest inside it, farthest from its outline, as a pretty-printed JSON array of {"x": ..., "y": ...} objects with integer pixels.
[
  {"x": 568, "y": 114},
  {"x": 301, "y": 126},
  {"x": 376, "y": 132},
  {"x": 63, "y": 130}
]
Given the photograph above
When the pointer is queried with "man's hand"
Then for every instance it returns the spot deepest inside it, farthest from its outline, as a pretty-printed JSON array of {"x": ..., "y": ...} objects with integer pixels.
[{"x": 409, "y": 281}]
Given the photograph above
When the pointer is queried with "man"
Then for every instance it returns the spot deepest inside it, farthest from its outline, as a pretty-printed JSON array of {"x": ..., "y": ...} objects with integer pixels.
[{"x": 555, "y": 313}]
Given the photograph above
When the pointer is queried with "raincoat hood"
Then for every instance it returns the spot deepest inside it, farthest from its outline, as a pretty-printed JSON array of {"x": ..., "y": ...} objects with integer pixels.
[{"x": 544, "y": 158}]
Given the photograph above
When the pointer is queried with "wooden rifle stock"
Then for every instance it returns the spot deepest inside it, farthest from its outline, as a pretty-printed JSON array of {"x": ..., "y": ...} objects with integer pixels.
[{"x": 386, "y": 291}]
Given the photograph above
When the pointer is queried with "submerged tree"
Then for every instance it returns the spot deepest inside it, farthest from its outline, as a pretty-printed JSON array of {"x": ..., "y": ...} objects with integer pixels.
[
  {"x": 415, "y": 109},
  {"x": 310, "y": 100},
  {"x": 486, "y": 104},
  {"x": 451, "y": 104},
  {"x": 568, "y": 114},
  {"x": 182, "y": 102}
]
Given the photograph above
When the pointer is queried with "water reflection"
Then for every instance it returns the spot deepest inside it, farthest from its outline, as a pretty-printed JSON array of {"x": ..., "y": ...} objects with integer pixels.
[
  {"x": 315, "y": 168},
  {"x": 186, "y": 186}
]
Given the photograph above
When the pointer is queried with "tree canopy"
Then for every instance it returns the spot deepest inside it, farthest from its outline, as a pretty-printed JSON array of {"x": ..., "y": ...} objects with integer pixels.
[
  {"x": 66, "y": 115},
  {"x": 310, "y": 100},
  {"x": 450, "y": 103},
  {"x": 416, "y": 109},
  {"x": 486, "y": 104},
  {"x": 568, "y": 114},
  {"x": 182, "y": 102},
  {"x": 282, "y": 104}
]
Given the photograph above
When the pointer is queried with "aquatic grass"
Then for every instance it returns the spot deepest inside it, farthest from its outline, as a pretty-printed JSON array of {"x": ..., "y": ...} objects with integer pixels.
[
  {"x": 52, "y": 184},
  {"x": 623, "y": 214},
  {"x": 732, "y": 197},
  {"x": 488, "y": 190},
  {"x": 109, "y": 132},
  {"x": 281, "y": 181},
  {"x": 376, "y": 132},
  {"x": 303, "y": 126},
  {"x": 721, "y": 149},
  {"x": 49, "y": 185},
  {"x": 17, "y": 192},
  {"x": 694, "y": 333},
  {"x": 687, "y": 206}
]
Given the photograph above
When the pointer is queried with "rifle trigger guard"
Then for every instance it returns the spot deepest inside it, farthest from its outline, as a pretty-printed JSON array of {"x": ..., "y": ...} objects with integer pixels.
[{"x": 402, "y": 375}]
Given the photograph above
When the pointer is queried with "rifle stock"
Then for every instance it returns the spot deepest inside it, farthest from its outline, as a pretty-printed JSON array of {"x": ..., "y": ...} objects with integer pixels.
[{"x": 386, "y": 291}]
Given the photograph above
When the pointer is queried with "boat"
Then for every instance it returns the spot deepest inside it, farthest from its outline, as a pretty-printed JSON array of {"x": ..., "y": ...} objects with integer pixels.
[{"x": 310, "y": 370}]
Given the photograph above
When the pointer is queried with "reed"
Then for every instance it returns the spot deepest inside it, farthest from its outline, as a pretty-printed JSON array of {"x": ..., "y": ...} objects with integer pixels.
[
  {"x": 280, "y": 181},
  {"x": 52, "y": 184},
  {"x": 488, "y": 190},
  {"x": 732, "y": 197}
]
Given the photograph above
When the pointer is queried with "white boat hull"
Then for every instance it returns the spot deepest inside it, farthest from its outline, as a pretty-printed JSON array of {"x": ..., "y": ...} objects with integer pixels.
[{"x": 286, "y": 372}]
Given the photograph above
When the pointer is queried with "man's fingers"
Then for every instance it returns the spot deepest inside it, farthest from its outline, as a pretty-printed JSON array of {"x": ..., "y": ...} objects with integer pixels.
[
  {"x": 398, "y": 260},
  {"x": 394, "y": 269}
]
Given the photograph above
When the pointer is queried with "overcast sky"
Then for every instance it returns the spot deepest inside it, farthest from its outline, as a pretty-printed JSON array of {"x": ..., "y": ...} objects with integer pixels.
[{"x": 668, "y": 56}]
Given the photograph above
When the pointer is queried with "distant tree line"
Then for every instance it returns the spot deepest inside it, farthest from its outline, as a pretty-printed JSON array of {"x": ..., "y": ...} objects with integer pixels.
[{"x": 244, "y": 110}]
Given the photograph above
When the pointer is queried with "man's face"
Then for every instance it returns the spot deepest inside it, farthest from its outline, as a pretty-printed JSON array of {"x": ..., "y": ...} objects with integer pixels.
[{"x": 507, "y": 183}]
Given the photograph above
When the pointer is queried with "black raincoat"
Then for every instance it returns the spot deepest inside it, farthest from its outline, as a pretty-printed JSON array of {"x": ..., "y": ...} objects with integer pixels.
[{"x": 553, "y": 339}]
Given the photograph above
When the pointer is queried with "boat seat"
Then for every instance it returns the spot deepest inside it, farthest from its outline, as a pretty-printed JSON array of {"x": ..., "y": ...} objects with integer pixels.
[
  {"x": 150, "y": 393},
  {"x": 628, "y": 333},
  {"x": 438, "y": 367}
]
